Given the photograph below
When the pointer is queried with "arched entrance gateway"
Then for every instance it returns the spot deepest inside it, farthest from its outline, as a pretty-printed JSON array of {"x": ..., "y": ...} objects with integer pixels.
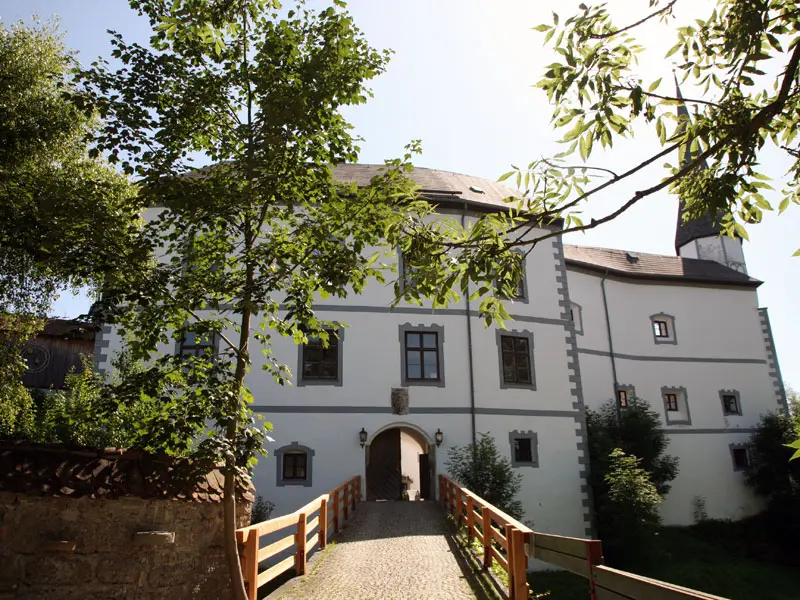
[{"x": 400, "y": 457}]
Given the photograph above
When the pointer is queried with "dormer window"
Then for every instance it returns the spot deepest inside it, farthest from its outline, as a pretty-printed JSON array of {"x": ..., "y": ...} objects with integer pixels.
[{"x": 663, "y": 326}]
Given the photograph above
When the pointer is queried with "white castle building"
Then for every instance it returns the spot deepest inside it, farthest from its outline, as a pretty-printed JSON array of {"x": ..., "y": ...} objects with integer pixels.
[{"x": 403, "y": 384}]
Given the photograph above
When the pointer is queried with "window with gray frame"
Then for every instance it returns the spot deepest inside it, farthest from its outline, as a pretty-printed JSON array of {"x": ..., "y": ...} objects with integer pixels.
[
  {"x": 519, "y": 292},
  {"x": 731, "y": 402},
  {"x": 422, "y": 361},
  {"x": 524, "y": 448},
  {"x": 576, "y": 316},
  {"x": 198, "y": 346},
  {"x": 294, "y": 465},
  {"x": 406, "y": 272},
  {"x": 663, "y": 326},
  {"x": 740, "y": 455},
  {"x": 321, "y": 363},
  {"x": 515, "y": 350},
  {"x": 624, "y": 395},
  {"x": 676, "y": 406}
]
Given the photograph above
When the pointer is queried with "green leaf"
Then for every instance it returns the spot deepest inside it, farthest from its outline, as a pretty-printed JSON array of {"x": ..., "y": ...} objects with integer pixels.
[
  {"x": 542, "y": 27},
  {"x": 796, "y": 252},
  {"x": 505, "y": 176},
  {"x": 654, "y": 86},
  {"x": 796, "y": 445}
]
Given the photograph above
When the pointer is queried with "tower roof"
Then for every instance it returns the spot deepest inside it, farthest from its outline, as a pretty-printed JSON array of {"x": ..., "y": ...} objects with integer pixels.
[{"x": 703, "y": 226}]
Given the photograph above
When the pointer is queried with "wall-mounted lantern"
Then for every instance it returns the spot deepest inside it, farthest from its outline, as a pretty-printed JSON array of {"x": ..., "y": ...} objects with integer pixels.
[
  {"x": 439, "y": 437},
  {"x": 362, "y": 437}
]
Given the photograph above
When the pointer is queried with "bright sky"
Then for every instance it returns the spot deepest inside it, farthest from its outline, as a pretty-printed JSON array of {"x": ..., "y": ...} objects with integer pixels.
[{"x": 461, "y": 81}]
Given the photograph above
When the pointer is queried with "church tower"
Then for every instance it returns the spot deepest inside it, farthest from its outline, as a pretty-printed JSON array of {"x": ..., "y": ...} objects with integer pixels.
[{"x": 701, "y": 237}]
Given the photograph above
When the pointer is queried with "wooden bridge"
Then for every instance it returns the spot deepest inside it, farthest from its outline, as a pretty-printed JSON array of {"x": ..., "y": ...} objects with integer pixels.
[{"x": 503, "y": 542}]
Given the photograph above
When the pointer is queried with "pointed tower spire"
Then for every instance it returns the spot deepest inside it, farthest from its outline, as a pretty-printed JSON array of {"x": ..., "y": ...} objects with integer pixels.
[{"x": 705, "y": 226}]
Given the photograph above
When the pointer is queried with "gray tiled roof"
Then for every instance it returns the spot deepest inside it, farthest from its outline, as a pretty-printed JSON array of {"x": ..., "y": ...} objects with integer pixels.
[
  {"x": 433, "y": 181},
  {"x": 655, "y": 266}
]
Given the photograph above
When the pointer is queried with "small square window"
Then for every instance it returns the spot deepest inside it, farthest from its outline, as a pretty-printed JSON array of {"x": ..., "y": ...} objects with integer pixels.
[
  {"x": 523, "y": 452},
  {"x": 741, "y": 459},
  {"x": 660, "y": 329},
  {"x": 663, "y": 327},
  {"x": 294, "y": 466},
  {"x": 731, "y": 404},
  {"x": 671, "y": 401}
]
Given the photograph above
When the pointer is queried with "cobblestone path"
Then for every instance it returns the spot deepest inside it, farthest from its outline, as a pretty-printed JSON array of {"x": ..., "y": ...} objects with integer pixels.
[{"x": 388, "y": 551}]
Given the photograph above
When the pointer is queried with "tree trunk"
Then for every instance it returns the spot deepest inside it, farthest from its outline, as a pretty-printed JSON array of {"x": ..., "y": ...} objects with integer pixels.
[{"x": 229, "y": 498}]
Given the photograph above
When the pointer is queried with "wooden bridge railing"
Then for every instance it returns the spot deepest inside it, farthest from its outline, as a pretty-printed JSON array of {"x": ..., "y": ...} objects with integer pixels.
[
  {"x": 332, "y": 510},
  {"x": 493, "y": 528}
]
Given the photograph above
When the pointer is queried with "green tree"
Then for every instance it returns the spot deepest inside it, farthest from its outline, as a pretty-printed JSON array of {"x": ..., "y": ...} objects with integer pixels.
[
  {"x": 628, "y": 515},
  {"x": 483, "y": 470},
  {"x": 770, "y": 473},
  {"x": 637, "y": 431},
  {"x": 250, "y": 241},
  {"x": 626, "y": 448},
  {"x": 66, "y": 218},
  {"x": 744, "y": 60},
  {"x": 776, "y": 478}
]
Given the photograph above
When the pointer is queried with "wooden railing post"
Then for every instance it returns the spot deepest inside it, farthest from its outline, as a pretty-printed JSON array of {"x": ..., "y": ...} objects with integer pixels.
[
  {"x": 488, "y": 535},
  {"x": 251, "y": 566},
  {"x": 353, "y": 494},
  {"x": 346, "y": 492},
  {"x": 323, "y": 523},
  {"x": 518, "y": 564},
  {"x": 470, "y": 519},
  {"x": 336, "y": 511},
  {"x": 509, "y": 531},
  {"x": 594, "y": 557},
  {"x": 300, "y": 544}
]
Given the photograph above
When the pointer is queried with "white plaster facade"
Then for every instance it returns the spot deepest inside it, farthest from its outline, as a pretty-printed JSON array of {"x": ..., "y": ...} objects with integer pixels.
[{"x": 722, "y": 344}]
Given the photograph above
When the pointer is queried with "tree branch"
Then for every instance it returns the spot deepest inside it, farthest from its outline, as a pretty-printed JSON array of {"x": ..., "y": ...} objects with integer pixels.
[
  {"x": 602, "y": 36},
  {"x": 551, "y": 164}
]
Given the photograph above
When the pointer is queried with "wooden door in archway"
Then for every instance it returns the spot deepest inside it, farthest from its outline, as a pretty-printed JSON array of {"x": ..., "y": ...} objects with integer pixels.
[{"x": 384, "y": 470}]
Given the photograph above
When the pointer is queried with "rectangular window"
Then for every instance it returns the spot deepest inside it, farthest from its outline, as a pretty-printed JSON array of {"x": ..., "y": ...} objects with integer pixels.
[
  {"x": 294, "y": 465},
  {"x": 516, "y": 359},
  {"x": 422, "y": 355},
  {"x": 622, "y": 398},
  {"x": 195, "y": 345},
  {"x": 320, "y": 363},
  {"x": 731, "y": 404},
  {"x": 406, "y": 272},
  {"x": 741, "y": 460},
  {"x": 671, "y": 401},
  {"x": 660, "y": 329},
  {"x": 523, "y": 452}
]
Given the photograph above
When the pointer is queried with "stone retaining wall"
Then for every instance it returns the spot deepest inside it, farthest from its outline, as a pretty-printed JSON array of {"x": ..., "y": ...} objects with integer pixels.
[
  {"x": 110, "y": 525},
  {"x": 126, "y": 549}
]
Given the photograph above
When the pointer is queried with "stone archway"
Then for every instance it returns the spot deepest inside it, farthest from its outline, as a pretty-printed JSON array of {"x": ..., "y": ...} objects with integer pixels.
[{"x": 399, "y": 457}]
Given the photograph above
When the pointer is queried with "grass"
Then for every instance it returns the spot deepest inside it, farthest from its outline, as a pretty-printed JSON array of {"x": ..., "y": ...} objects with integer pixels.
[{"x": 693, "y": 563}]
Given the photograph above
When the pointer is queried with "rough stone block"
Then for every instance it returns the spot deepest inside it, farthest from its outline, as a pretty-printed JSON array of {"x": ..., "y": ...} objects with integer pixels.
[
  {"x": 119, "y": 569},
  {"x": 61, "y": 569},
  {"x": 172, "y": 574}
]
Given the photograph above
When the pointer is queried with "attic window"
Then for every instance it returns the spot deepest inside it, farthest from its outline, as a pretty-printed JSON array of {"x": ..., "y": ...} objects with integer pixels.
[
  {"x": 631, "y": 258},
  {"x": 476, "y": 189}
]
